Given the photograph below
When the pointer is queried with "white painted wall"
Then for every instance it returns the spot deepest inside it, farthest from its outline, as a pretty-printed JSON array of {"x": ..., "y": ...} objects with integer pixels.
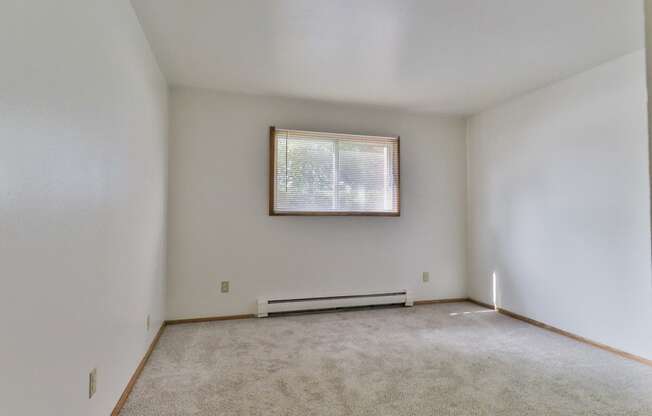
[
  {"x": 648, "y": 53},
  {"x": 83, "y": 128},
  {"x": 559, "y": 205},
  {"x": 219, "y": 228}
]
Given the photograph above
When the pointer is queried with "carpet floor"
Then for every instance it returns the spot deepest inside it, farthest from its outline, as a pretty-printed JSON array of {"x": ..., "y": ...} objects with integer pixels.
[{"x": 446, "y": 359}]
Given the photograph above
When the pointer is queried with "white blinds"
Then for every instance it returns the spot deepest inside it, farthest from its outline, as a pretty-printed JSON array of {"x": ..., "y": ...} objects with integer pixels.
[{"x": 334, "y": 174}]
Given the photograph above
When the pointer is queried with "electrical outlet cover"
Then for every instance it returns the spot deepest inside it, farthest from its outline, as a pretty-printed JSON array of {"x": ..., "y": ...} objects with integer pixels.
[
  {"x": 426, "y": 277},
  {"x": 224, "y": 286},
  {"x": 92, "y": 382}
]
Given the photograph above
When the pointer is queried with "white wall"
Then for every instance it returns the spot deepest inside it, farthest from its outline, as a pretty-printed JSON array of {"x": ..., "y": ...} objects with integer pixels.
[
  {"x": 83, "y": 128},
  {"x": 559, "y": 205},
  {"x": 648, "y": 53},
  {"x": 219, "y": 228}
]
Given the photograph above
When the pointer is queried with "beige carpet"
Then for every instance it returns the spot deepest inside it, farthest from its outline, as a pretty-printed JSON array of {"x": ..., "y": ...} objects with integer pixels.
[{"x": 449, "y": 359}]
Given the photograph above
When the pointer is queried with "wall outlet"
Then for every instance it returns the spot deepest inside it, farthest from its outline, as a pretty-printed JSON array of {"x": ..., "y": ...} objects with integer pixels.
[
  {"x": 425, "y": 276},
  {"x": 92, "y": 382},
  {"x": 148, "y": 322},
  {"x": 224, "y": 286}
]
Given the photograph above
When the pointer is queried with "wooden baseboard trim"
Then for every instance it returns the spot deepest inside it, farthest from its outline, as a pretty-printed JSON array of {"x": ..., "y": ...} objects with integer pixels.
[
  {"x": 595, "y": 344},
  {"x": 248, "y": 316},
  {"x": 567, "y": 334},
  {"x": 208, "y": 319},
  {"x": 484, "y": 305},
  {"x": 435, "y": 301},
  {"x": 125, "y": 394}
]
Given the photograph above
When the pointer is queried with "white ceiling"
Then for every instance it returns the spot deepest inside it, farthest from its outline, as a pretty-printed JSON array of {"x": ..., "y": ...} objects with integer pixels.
[{"x": 445, "y": 56}]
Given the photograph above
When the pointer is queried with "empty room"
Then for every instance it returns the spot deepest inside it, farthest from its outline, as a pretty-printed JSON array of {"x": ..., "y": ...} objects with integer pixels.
[{"x": 325, "y": 207}]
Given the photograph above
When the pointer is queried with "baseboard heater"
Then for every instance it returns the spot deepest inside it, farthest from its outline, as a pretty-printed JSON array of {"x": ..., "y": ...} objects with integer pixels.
[{"x": 267, "y": 306}]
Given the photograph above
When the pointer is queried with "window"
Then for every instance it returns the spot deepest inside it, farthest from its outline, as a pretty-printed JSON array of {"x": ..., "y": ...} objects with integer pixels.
[{"x": 314, "y": 173}]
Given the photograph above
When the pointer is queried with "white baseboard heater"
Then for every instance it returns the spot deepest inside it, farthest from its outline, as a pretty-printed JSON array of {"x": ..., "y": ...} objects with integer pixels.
[{"x": 267, "y": 306}]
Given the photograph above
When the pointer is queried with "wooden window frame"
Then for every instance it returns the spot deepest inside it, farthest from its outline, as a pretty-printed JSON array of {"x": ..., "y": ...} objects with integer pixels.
[{"x": 272, "y": 190}]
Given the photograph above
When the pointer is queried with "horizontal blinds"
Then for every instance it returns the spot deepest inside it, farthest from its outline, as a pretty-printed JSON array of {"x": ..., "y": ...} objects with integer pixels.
[{"x": 330, "y": 173}]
